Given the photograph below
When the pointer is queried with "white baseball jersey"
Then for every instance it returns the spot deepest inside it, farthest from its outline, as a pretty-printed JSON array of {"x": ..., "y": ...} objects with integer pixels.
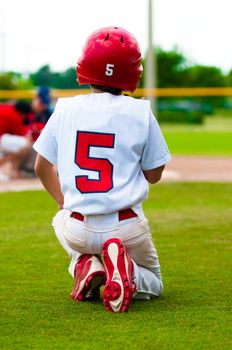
[{"x": 100, "y": 144}]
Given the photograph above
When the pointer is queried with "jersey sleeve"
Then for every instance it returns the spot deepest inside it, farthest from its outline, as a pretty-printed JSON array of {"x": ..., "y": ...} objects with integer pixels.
[
  {"x": 155, "y": 152},
  {"x": 46, "y": 144}
]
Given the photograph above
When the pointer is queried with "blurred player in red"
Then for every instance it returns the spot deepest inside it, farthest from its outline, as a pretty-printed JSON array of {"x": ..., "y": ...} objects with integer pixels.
[
  {"x": 41, "y": 112},
  {"x": 15, "y": 141},
  {"x": 106, "y": 147},
  {"x": 20, "y": 125}
]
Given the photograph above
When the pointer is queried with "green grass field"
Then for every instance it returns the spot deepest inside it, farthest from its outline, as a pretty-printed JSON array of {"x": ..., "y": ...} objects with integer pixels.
[
  {"x": 199, "y": 142},
  {"x": 191, "y": 225},
  {"x": 214, "y": 137}
]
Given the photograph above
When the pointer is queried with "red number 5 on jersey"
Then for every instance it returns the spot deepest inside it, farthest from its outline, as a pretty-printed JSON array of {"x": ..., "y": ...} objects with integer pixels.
[{"x": 84, "y": 141}]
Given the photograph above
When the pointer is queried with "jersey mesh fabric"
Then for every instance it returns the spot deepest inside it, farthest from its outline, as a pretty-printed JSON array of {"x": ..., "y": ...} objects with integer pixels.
[{"x": 138, "y": 145}]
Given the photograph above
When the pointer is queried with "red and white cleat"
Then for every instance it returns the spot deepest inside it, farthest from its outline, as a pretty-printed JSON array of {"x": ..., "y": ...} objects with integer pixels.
[
  {"x": 89, "y": 277},
  {"x": 119, "y": 288}
]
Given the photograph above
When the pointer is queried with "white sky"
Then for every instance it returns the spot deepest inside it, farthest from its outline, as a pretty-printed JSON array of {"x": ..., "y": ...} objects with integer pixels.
[{"x": 34, "y": 33}]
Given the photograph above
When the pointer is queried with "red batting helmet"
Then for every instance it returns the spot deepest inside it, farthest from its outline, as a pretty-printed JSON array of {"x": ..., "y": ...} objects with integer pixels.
[{"x": 111, "y": 57}]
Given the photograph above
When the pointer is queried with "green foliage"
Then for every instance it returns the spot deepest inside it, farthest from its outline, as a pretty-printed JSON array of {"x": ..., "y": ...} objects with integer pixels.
[
  {"x": 206, "y": 76},
  {"x": 171, "y": 67},
  {"x": 7, "y": 81},
  {"x": 174, "y": 70},
  {"x": 15, "y": 81},
  {"x": 202, "y": 76},
  {"x": 176, "y": 110},
  {"x": 181, "y": 116},
  {"x": 63, "y": 80},
  {"x": 191, "y": 225},
  {"x": 229, "y": 78},
  {"x": 42, "y": 77}
]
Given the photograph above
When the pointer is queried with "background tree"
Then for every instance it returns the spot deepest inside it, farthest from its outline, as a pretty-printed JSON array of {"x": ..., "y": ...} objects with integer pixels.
[
  {"x": 204, "y": 76},
  {"x": 7, "y": 81},
  {"x": 65, "y": 80},
  {"x": 15, "y": 81},
  {"x": 229, "y": 78},
  {"x": 42, "y": 77},
  {"x": 171, "y": 67}
]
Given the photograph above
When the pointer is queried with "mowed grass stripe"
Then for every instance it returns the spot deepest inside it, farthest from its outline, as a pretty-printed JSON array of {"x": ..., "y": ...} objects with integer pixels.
[{"x": 191, "y": 225}]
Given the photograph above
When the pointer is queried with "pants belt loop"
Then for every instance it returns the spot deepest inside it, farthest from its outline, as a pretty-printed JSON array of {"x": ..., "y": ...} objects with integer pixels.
[
  {"x": 77, "y": 216},
  {"x": 126, "y": 214},
  {"x": 122, "y": 215}
]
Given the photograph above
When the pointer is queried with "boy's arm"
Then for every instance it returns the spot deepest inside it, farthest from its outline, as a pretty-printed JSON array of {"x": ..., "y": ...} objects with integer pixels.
[
  {"x": 153, "y": 175},
  {"x": 48, "y": 176}
]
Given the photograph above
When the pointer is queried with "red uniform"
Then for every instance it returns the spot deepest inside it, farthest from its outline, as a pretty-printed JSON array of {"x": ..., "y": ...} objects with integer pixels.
[{"x": 11, "y": 122}]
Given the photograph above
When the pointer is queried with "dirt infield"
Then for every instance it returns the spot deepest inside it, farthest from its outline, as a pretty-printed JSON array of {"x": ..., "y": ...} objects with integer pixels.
[
  {"x": 181, "y": 168},
  {"x": 195, "y": 168}
]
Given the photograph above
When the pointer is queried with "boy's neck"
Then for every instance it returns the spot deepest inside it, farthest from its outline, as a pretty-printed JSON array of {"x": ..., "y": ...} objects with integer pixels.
[{"x": 97, "y": 91}]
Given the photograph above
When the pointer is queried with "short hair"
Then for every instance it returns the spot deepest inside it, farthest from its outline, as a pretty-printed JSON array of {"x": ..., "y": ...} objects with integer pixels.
[
  {"x": 23, "y": 107},
  {"x": 111, "y": 90}
]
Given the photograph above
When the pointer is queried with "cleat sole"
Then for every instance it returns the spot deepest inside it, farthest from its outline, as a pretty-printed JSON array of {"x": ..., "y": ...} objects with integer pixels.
[{"x": 118, "y": 291}]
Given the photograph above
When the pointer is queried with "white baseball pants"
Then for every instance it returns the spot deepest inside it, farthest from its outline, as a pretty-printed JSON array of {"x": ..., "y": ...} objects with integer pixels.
[
  {"x": 12, "y": 143},
  {"x": 87, "y": 237}
]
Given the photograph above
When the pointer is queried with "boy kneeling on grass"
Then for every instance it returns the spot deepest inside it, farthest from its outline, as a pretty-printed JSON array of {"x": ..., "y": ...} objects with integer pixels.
[{"x": 106, "y": 147}]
